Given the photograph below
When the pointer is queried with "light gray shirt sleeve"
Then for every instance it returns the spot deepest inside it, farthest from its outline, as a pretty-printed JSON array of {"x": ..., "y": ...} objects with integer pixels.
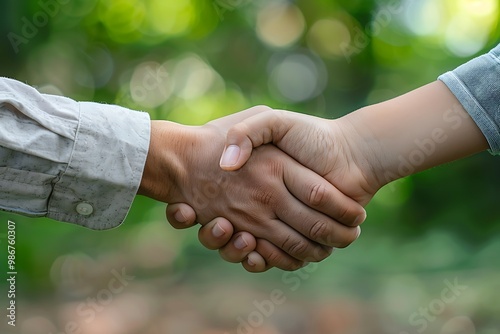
[
  {"x": 476, "y": 85},
  {"x": 76, "y": 162}
]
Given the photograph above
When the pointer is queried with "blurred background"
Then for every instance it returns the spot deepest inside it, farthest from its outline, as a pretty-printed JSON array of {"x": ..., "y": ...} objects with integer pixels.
[{"x": 427, "y": 261}]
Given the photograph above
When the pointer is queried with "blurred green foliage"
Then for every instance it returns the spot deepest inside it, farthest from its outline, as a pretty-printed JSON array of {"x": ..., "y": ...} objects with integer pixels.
[{"x": 191, "y": 61}]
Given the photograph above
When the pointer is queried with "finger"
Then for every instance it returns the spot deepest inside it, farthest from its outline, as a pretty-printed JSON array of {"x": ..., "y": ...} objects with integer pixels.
[
  {"x": 298, "y": 230},
  {"x": 238, "y": 248},
  {"x": 285, "y": 235},
  {"x": 265, "y": 127},
  {"x": 274, "y": 257},
  {"x": 316, "y": 227},
  {"x": 288, "y": 234},
  {"x": 181, "y": 215},
  {"x": 319, "y": 194},
  {"x": 228, "y": 121},
  {"x": 255, "y": 263},
  {"x": 216, "y": 234}
]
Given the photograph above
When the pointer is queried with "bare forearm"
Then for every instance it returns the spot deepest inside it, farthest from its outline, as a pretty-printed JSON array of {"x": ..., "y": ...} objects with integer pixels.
[{"x": 416, "y": 131}]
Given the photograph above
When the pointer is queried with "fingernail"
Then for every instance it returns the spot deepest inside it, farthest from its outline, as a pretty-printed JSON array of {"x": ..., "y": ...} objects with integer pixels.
[
  {"x": 230, "y": 156},
  {"x": 240, "y": 243},
  {"x": 218, "y": 231},
  {"x": 179, "y": 216},
  {"x": 250, "y": 262},
  {"x": 359, "y": 232},
  {"x": 361, "y": 218}
]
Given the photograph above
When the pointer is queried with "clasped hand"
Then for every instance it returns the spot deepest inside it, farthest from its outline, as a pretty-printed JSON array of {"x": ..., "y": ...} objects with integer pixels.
[
  {"x": 291, "y": 187},
  {"x": 265, "y": 209}
]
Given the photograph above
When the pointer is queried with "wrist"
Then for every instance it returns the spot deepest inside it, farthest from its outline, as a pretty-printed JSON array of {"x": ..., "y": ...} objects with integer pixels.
[
  {"x": 365, "y": 147},
  {"x": 165, "y": 163},
  {"x": 374, "y": 144}
]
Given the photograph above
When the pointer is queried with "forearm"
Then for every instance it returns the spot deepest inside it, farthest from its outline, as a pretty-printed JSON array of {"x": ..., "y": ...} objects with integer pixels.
[
  {"x": 77, "y": 162},
  {"x": 416, "y": 131}
]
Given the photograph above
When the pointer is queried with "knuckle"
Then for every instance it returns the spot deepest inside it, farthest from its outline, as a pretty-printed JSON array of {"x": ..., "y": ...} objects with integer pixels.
[
  {"x": 274, "y": 258},
  {"x": 293, "y": 266},
  {"x": 296, "y": 248},
  {"x": 239, "y": 129},
  {"x": 299, "y": 248},
  {"x": 318, "y": 254},
  {"x": 317, "y": 195},
  {"x": 262, "y": 107},
  {"x": 278, "y": 118},
  {"x": 264, "y": 197},
  {"x": 319, "y": 230}
]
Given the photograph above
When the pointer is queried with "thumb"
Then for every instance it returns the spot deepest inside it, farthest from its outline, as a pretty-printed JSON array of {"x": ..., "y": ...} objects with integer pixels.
[{"x": 266, "y": 127}]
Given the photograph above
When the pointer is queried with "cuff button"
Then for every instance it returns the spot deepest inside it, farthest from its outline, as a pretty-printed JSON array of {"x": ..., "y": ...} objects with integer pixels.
[{"x": 85, "y": 209}]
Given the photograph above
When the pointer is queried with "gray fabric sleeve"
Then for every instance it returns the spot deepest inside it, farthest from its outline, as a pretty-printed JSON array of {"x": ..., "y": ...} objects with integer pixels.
[
  {"x": 476, "y": 85},
  {"x": 76, "y": 162}
]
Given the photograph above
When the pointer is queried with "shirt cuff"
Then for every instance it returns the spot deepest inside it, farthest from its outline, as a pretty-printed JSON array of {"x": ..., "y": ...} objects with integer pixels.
[
  {"x": 476, "y": 85},
  {"x": 105, "y": 169}
]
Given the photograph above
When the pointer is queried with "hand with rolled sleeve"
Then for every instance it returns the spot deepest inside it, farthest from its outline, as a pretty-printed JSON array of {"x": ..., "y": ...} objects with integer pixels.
[
  {"x": 83, "y": 163},
  {"x": 448, "y": 119}
]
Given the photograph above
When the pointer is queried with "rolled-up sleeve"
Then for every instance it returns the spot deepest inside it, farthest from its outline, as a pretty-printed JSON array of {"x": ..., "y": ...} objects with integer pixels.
[
  {"x": 476, "y": 85},
  {"x": 76, "y": 162}
]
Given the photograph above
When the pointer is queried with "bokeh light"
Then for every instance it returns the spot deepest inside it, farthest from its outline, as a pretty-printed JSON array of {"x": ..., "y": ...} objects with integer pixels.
[
  {"x": 423, "y": 17},
  {"x": 193, "y": 77},
  {"x": 150, "y": 85},
  {"x": 100, "y": 65},
  {"x": 60, "y": 65},
  {"x": 280, "y": 24},
  {"x": 296, "y": 77},
  {"x": 150, "y": 21},
  {"x": 462, "y": 26},
  {"x": 327, "y": 36},
  {"x": 122, "y": 18},
  {"x": 150, "y": 249},
  {"x": 169, "y": 18},
  {"x": 74, "y": 273},
  {"x": 464, "y": 37}
]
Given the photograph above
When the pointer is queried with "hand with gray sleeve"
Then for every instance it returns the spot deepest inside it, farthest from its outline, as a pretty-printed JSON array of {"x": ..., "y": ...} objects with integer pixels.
[{"x": 84, "y": 162}]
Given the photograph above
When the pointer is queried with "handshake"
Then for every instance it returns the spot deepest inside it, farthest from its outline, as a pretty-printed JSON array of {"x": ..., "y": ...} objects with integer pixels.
[{"x": 274, "y": 188}]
